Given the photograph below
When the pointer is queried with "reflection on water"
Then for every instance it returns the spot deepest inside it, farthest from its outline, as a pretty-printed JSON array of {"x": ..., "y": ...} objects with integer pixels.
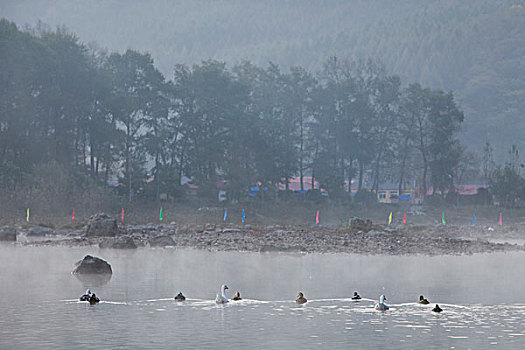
[
  {"x": 92, "y": 280},
  {"x": 480, "y": 294}
]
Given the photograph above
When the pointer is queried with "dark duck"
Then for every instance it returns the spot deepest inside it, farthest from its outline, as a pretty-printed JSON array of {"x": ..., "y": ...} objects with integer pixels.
[
  {"x": 93, "y": 299},
  {"x": 300, "y": 298},
  {"x": 86, "y": 296},
  {"x": 180, "y": 297},
  {"x": 422, "y": 300}
]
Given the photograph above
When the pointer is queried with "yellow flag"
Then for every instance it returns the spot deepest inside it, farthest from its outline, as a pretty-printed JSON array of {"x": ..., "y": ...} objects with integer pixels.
[
  {"x": 27, "y": 216},
  {"x": 390, "y": 218}
]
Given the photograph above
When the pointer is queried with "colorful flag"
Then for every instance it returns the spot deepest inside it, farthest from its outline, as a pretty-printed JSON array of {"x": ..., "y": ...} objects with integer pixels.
[
  {"x": 122, "y": 215},
  {"x": 473, "y": 219},
  {"x": 317, "y": 218},
  {"x": 404, "y": 218},
  {"x": 27, "y": 216},
  {"x": 500, "y": 219},
  {"x": 390, "y": 218},
  {"x": 160, "y": 215},
  {"x": 443, "y": 219},
  {"x": 243, "y": 215},
  {"x": 225, "y": 214},
  {"x": 73, "y": 215}
]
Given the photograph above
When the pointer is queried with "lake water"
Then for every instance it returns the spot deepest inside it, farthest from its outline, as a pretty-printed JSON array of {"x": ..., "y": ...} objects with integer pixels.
[{"x": 482, "y": 297}]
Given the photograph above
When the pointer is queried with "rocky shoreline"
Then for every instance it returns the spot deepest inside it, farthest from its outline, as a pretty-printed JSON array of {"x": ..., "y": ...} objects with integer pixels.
[{"x": 359, "y": 238}]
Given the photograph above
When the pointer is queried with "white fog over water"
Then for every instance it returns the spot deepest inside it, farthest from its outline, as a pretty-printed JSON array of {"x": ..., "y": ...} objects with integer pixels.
[{"x": 481, "y": 296}]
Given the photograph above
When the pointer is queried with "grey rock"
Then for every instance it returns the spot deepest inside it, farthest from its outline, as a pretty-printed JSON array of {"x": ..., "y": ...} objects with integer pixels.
[
  {"x": 92, "y": 265},
  {"x": 280, "y": 232},
  {"x": 123, "y": 242},
  {"x": 102, "y": 225},
  {"x": 268, "y": 248},
  {"x": 161, "y": 241},
  {"x": 361, "y": 224},
  {"x": 39, "y": 231},
  {"x": 7, "y": 233},
  {"x": 230, "y": 230},
  {"x": 151, "y": 227}
]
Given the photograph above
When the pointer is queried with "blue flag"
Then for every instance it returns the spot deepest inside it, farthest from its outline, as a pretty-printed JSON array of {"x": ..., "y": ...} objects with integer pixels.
[
  {"x": 473, "y": 219},
  {"x": 225, "y": 214},
  {"x": 243, "y": 216}
]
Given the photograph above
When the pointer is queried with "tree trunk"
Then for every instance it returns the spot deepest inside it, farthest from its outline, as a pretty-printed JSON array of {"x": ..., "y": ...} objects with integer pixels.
[
  {"x": 91, "y": 158},
  {"x": 157, "y": 179},
  {"x": 361, "y": 171},
  {"x": 401, "y": 176},
  {"x": 301, "y": 154},
  {"x": 350, "y": 176},
  {"x": 128, "y": 160},
  {"x": 313, "y": 165}
]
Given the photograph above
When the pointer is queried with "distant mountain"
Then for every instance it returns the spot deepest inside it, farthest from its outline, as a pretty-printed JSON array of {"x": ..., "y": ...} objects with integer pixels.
[{"x": 474, "y": 47}]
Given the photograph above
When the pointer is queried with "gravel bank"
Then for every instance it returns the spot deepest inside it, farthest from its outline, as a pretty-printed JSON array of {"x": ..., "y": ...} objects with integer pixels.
[{"x": 378, "y": 239}]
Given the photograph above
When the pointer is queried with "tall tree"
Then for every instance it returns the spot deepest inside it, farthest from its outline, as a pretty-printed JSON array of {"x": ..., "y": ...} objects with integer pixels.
[
  {"x": 135, "y": 86},
  {"x": 445, "y": 151}
]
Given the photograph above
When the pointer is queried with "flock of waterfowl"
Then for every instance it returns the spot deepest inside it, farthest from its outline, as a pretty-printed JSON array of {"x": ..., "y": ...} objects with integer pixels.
[{"x": 223, "y": 299}]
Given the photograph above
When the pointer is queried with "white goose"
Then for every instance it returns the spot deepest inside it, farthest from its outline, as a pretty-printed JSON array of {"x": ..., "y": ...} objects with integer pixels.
[
  {"x": 381, "y": 306},
  {"x": 221, "y": 299}
]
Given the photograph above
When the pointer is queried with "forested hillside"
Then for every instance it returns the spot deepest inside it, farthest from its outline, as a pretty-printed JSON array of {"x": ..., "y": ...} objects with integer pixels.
[{"x": 475, "y": 48}]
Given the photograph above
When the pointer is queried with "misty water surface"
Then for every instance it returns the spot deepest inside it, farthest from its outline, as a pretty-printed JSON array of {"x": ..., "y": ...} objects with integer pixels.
[{"x": 481, "y": 296}]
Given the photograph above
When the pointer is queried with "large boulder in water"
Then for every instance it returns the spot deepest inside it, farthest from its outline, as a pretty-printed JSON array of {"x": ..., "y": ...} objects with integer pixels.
[
  {"x": 93, "y": 280},
  {"x": 161, "y": 241},
  {"x": 39, "y": 231},
  {"x": 123, "y": 242},
  {"x": 92, "y": 265},
  {"x": 7, "y": 233},
  {"x": 102, "y": 225}
]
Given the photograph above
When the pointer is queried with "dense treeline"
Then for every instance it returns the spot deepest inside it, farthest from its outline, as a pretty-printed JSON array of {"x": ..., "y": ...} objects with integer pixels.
[
  {"x": 474, "y": 48},
  {"x": 107, "y": 115}
]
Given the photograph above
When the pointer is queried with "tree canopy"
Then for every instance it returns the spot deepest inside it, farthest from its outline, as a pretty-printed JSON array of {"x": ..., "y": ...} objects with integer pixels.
[{"x": 116, "y": 116}]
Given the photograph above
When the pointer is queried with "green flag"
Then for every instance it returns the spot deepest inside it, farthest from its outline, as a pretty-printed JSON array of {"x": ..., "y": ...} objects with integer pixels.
[
  {"x": 160, "y": 215},
  {"x": 443, "y": 219}
]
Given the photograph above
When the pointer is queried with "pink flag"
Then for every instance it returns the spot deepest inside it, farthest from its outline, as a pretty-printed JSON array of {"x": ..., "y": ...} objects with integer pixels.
[
  {"x": 73, "y": 216},
  {"x": 317, "y": 218},
  {"x": 500, "y": 219},
  {"x": 405, "y": 218},
  {"x": 122, "y": 215}
]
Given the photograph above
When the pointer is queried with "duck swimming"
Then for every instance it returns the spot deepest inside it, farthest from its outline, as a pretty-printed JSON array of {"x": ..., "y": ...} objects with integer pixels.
[
  {"x": 180, "y": 297},
  {"x": 221, "y": 299},
  {"x": 93, "y": 299},
  {"x": 356, "y": 296},
  {"x": 237, "y": 296},
  {"x": 381, "y": 306},
  {"x": 300, "y": 298},
  {"x": 422, "y": 300},
  {"x": 437, "y": 309},
  {"x": 86, "y": 296}
]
